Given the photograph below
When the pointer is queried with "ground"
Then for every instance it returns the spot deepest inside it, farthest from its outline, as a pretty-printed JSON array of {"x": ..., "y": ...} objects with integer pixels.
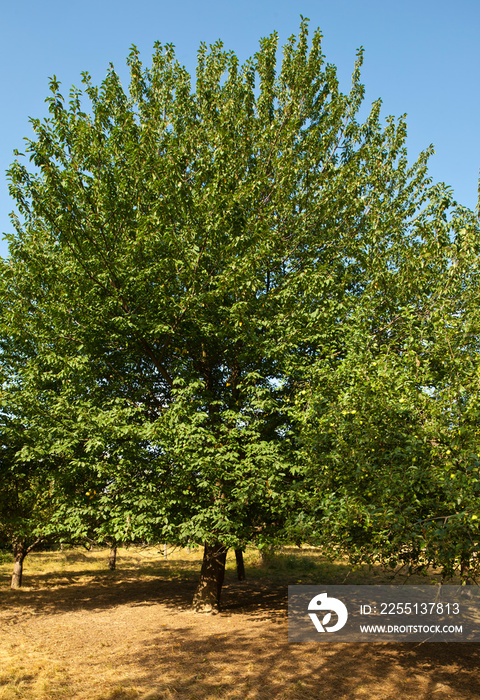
[{"x": 80, "y": 632}]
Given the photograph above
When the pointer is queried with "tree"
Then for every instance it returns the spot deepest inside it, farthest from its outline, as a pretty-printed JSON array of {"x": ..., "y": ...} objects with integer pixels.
[
  {"x": 34, "y": 486},
  {"x": 43, "y": 496},
  {"x": 24, "y": 503},
  {"x": 184, "y": 256},
  {"x": 390, "y": 430}
]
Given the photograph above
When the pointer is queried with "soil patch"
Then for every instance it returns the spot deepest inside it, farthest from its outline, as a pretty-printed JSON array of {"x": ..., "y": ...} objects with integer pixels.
[{"x": 87, "y": 634}]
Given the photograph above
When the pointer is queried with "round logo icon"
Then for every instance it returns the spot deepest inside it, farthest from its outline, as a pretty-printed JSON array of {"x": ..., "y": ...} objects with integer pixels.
[{"x": 323, "y": 602}]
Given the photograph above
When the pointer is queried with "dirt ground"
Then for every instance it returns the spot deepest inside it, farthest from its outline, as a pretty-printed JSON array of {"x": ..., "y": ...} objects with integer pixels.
[{"x": 84, "y": 633}]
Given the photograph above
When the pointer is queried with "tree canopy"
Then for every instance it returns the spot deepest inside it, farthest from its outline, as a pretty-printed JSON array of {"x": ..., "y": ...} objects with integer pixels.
[{"x": 192, "y": 259}]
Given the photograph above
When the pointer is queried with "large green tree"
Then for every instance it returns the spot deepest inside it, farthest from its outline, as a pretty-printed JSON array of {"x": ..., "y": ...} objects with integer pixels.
[{"x": 185, "y": 251}]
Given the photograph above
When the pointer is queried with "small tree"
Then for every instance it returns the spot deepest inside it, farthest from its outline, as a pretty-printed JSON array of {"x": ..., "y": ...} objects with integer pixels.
[
  {"x": 24, "y": 504},
  {"x": 44, "y": 493}
]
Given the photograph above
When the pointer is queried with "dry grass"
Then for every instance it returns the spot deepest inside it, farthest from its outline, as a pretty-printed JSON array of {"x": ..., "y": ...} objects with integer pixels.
[{"x": 78, "y": 631}]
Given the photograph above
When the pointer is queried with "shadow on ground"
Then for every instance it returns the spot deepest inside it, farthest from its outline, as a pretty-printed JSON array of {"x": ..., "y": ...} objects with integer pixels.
[
  {"x": 245, "y": 666},
  {"x": 241, "y": 653},
  {"x": 101, "y": 592}
]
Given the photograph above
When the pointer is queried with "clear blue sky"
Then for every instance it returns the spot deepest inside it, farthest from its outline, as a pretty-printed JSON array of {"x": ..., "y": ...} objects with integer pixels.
[{"x": 422, "y": 57}]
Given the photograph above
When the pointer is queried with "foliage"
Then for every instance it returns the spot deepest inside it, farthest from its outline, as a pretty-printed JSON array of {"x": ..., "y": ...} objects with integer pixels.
[
  {"x": 391, "y": 427},
  {"x": 200, "y": 271}
]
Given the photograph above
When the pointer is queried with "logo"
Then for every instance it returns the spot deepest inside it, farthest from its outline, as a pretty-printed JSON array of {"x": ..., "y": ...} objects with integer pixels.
[{"x": 323, "y": 602}]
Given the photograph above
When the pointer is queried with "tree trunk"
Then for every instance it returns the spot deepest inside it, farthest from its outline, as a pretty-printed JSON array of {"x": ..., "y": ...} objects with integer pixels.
[
  {"x": 207, "y": 595},
  {"x": 266, "y": 554},
  {"x": 112, "y": 561},
  {"x": 240, "y": 565},
  {"x": 19, "y": 553},
  {"x": 465, "y": 571}
]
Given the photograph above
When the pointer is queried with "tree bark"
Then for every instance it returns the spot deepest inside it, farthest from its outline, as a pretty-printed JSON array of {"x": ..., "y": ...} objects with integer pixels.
[
  {"x": 112, "y": 561},
  {"x": 19, "y": 554},
  {"x": 465, "y": 571},
  {"x": 240, "y": 565},
  {"x": 20, "y": 551},
  {"x": 207, "y": 595}
]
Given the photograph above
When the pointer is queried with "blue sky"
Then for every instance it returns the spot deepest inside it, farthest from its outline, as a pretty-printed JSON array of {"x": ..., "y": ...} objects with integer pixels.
[{"x": 421, "y": 57}]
